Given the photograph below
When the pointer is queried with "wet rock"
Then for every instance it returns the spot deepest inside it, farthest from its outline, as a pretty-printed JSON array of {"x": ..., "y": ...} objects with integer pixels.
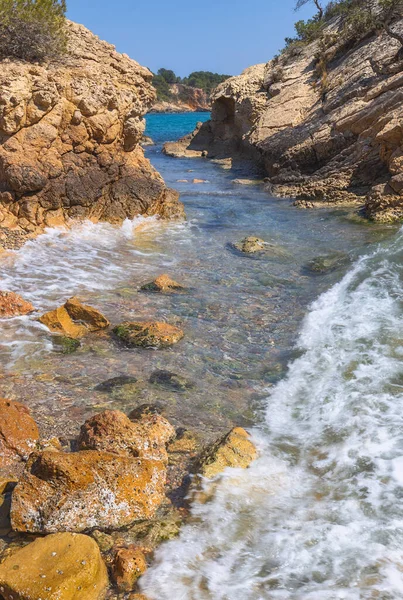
[
  {"x": 87, "y": 315},
  {"x": 199, "y": 181},
  {"x": 171, "y": 381},
  {"x": 13, "y": 305},
  {"x": 116, "y": 383},
  {"x": 58, "y": 567},
  {"x": 327, "y": 263},
  {"x": 164, "y": 526},
  {"x": 146, "y": 141},
  {"x": 5, "y": 506},
  {"x": 137, "y": 597},
  {"x": 146, "y": 410},
  {"x": 234, "y": 450},
  {"x": 250, "y": 245},
  {"x": 105, "y": 541},
  {"x": 65, "y": 344},
  {"x": 74, "y": 319},
  {"x": 112, "y": 431},
  {"x": 151, "y": 334},
  {"x": 59, "y": 321},
  {"x": 163, "y": 283},
  {"x": 86, "y": 490},
  {"x": 18, "y": 432},
  {"x": 129, "y": 564}
]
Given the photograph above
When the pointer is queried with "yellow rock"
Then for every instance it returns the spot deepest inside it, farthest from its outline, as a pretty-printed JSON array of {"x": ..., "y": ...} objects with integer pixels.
[
  {"x": 63, "y": 566},
  {"x": 91, "y": 317},
  {"x": 234, "y": 450},
  {"x": 128, "y": 566},
  {"x": 163, "y": 283},
  {"x": 59, "y": 321}
]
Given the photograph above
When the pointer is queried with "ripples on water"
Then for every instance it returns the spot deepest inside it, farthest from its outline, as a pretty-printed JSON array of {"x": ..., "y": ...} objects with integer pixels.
[{"x": 318, "y": 516}]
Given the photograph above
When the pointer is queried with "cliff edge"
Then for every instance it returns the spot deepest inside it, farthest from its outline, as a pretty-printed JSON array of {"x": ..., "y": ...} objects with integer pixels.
[
  {"x": 324, "y": 122},
  {"x": 69, "y": 139}
]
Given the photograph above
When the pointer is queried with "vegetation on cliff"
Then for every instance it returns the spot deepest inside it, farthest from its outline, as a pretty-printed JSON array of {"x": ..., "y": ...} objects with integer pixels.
[
  {"x": 203, "y": 80},
  {"x": 32, "y": 30}
]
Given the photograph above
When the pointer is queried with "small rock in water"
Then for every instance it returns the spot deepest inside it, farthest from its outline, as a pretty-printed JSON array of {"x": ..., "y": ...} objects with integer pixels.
[
  {"x": 74, "y": 319},
  {"x": 248, "y": 181},
  {"x": 146, "y": 410},
  {"x": 18, "y": 432},
  {"x": 327, "y": 263},
  {"x": 63, "y": 566},
  {"x": 129, "y": 564},
  {"x": 150, "y": 334},
  {"x": 250, "y": 245},
  {"x": 65, "y": 344},
  {"x": 13, "y": 305},
  {"x": 171, "y": 381},
  {"x": 200, "y": 181},
  {"x": 234, "y": 450},
  {"x": 163, "y": 283},
  {"x": 115, "y": 383}
]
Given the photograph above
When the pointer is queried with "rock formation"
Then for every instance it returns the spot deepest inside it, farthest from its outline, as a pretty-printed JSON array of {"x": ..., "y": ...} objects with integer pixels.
[
  {"x": 70, "y": 134},
  {"x": 18, "y": 433},
  {"x": 184, "y": 98},
  {"x": 323, "y": 122}
]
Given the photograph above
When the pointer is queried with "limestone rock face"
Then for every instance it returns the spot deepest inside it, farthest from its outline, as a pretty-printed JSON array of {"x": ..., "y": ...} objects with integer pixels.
[
  {"x": 86, "y": 490},
  {"x": 18, "y": 432},
  {"x": 70, "y": 134},
  {"x": 148, "y": 334},
  {"x": 323, "y": 124},
  {"x": 58, "y": 567},
  {"x": 234, "y": 450},
  {"x": 185, "y": 98},
  {"x": 12, "y": 305},
  {"x": 112, "y": 431}
]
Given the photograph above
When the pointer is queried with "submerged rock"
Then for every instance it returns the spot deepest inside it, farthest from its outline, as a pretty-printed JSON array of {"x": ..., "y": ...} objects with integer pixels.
[
  {"x": 128, "y": 566},
  {"x": 250, "y": 245},
  {"x": 13, "y": 305},
  {"x": 163, "y": 283},
  {"x": 112, "y": 431},
  {"x": 116, "y": 383},
  {"x": 150, "y": 334},
  {"x": 18, "y": 432},
  {"x": 86, "y": 490},
  {"x": 327, "y": 263},
  {"x": 74, "y": 319},
  {"x": 63, "y": 566},
  {"x": 65, "y": 344},
  {"x": 234, "y": 450},
  {"x": 171, "y": 381}
]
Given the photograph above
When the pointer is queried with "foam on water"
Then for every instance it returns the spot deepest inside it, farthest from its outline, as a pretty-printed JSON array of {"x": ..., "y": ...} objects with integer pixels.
[{"x": 319, "y": 516}]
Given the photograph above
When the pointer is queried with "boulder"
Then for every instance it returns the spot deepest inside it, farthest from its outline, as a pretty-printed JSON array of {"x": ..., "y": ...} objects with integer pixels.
[
  {"x": 327, "y": 263},
  {"x": 112, "y": 431},
  {"x": 129, "y": 564},
  {"x": 250, "y": 245},
  {"x": 234, "y": 450},
  {"x": 163, "y": 283},
  {"x": 150, "y": 334},
  {"x": 13, "y": 305},
  {"x": 63, "y": 566},
  {"x": 86, "y": 490},
  {"x": 116, "y": 383},
  {"x": 18, "y": 432},
  {"x": 74, "y": 319}
]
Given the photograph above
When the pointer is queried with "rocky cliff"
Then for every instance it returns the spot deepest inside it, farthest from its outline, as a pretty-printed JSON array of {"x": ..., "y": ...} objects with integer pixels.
[
  {"x": 323, "y": 122},
  {"x": 184, "y": 98},
  {"x": 69, "y": 139}
]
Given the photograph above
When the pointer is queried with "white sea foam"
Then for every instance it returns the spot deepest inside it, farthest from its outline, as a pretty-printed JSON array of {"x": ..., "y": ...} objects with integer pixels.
[{"x": 319, "y": 516}]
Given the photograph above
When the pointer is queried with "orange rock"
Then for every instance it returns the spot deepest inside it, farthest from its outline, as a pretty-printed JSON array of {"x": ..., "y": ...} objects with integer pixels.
[
  {"x": 86, "y": 490},
  {"x": 74, "y": 319},
  {"x": 151, "y": 334},
  {"x": 18, "y": 432},
  {"x": 12, "y": 305},
  {"x": 112, "y": 431},
  {"x": 234, "y": 450},
  {"x": 89, "y": 316},
  {"x": 129, "y": 564},
  {"x": 199, "y": 181},
  {"x": 59, "y": 321},
  {"x": 163, "y": 283}
]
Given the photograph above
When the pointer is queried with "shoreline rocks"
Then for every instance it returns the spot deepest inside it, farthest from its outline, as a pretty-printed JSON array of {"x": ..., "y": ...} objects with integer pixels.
[
  {"x": 13, "y": 305},
  {"x": 74, "y": 319},
  {"x": 19, "y": 434},
  {"x": 71, "y": 134},
  {"x": 163, "y": 283}
]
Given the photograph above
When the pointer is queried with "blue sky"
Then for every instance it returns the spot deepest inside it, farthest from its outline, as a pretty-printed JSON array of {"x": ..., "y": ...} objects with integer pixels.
[{"x": 223, "y": 36}]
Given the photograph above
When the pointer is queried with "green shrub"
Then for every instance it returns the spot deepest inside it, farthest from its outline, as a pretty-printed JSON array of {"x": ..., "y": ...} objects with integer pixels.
[{"x": 32, "y": 30}]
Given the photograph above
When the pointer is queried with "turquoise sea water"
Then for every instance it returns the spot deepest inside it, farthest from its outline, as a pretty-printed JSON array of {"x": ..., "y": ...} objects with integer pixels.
[{"x": 169, "y": 127}]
